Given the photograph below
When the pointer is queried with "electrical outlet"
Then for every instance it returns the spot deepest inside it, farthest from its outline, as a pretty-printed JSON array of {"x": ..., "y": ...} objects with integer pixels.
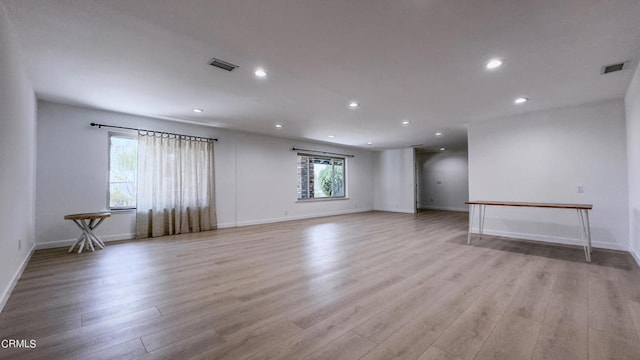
[
  {"x": 286, "y": 212},
  {"x": 580, "y": 189}
]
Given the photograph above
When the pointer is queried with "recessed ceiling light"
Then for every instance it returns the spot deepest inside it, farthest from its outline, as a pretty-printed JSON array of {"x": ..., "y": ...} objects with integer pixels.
[
  {"x": 279, "y": 126},
  {"x": 353, "y": 104},
  {"x": 521, "y": 100},
  {"x": 331, "y": 136},
  {"x": 369, "y": 143},
  {"x": 260, "y": 72},
  {"x": 198, "y": 110},
  {"x": 494, "y": 64},
  {"x": 442, "y": 149},
  {"x": 438, "y": 133},
  {"x": 406, "y": 122}
]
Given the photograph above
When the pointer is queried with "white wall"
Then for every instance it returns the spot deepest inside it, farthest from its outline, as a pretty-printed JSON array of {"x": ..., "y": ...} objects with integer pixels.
[
  {"x": 632, "y": 107},
  {"x": 543, "y": 157},
  {"x": 256, "y": 175},
  {"x": 395, "y": 180},
  {"x": 17, "y": 161},
  {"x": 443, "y": 180}
]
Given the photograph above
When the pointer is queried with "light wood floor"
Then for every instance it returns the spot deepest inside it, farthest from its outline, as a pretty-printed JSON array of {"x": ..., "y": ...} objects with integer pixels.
[{"x": 364, "y": 286}]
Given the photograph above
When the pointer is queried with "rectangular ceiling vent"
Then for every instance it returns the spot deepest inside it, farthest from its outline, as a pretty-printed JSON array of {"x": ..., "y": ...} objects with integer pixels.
[
  {"x": 613, "y": 68},
  {"x": 222, "y": 64}
]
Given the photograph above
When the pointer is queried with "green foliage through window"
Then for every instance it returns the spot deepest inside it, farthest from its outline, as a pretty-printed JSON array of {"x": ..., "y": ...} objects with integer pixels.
[{"x": 320, "y": 177}]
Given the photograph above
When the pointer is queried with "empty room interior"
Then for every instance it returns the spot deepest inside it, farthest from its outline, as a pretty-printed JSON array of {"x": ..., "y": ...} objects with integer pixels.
[{"x": 360, "y": 179}]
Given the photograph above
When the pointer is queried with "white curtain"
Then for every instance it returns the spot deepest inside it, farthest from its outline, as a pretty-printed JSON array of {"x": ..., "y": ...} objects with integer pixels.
[{"x": 175, "y": 185}]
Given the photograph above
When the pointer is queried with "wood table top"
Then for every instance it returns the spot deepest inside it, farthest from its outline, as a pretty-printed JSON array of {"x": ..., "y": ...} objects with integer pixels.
[
  {"x": 88, "y": 216},
  {"x": 532, "y": 204}
]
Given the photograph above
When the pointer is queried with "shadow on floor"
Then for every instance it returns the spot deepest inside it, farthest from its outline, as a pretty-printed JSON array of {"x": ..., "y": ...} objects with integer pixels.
[{"x": 601, "y": 257}]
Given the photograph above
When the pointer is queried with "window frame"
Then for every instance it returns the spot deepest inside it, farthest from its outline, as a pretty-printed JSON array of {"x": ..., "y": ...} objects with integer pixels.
[
  {"x": 110, "y": 134},
  {"x": 332, "y": 159}
]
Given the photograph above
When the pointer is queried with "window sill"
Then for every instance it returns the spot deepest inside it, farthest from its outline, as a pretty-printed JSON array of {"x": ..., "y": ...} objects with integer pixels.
[
  {"x": 123, "y": 211},
  {"x": 321, "y": 199}
]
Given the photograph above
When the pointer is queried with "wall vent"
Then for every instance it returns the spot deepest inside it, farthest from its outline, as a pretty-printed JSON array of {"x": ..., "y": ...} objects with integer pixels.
[
  {"x": 222, "y": 64},
  {"x": 613, "y": 68}
]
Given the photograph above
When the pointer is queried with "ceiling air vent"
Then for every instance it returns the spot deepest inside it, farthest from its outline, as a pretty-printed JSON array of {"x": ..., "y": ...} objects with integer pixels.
[
  {"x": 613, "y": 68},
  {"x": 222, "y": 64}
]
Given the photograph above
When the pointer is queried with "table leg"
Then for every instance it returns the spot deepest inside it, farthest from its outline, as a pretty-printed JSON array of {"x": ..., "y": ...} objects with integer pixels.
[
  {"x": 88, "y": 239},
  {"x": 92, "y": 242},
  {"x": 95, "y": 237},
  {"x": 586, "y": 233},
  {"x": 481, "y": 211},
  {"x": 76, "y": 243},
  {"x": 96, "y": 241},
  {"x": 586, "y": 215},
  {"x": 471, "y": 208},
  {"x": 81, "y": 246},
  {"x": 89, "y": 234},
  {"x": 81, "y": 240}
]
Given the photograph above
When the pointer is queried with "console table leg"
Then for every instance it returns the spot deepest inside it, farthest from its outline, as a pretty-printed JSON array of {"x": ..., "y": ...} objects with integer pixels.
[
  {"x": 586, "y": 215},
  {"x": 586, "y": 233},
  {"x": 471, "y": 208},
  {"x": 481, "y": 211}
]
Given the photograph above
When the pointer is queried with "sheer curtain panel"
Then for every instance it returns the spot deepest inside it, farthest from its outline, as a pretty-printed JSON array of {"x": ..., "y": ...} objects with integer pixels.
[{"x": 175, "y": 185}]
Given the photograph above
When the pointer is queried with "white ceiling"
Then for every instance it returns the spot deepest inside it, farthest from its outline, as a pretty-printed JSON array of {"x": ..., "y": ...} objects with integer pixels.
[{"x": 421, "y": 60}]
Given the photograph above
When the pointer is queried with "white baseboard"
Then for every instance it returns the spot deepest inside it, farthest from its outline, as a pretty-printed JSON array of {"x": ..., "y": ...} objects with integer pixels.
[
  {"x": 107, "y": 238},
  {"x": 636, "y": 257},
  {"x": 14, "y": 280},
  {"x": 398, "y": 210},
  {"x": 298, "y": 217},
  {"x": 226, "y": 225},
  {"x": 552, "y": 239},
  {"x": 69, "y": 242},
  {"x": 444, "y": 208}
]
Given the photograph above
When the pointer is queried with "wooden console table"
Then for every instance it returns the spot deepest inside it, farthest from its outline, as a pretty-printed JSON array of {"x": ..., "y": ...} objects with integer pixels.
[
  {"x": 88, "y": 238},
  {"x": 582, "y": 209}
]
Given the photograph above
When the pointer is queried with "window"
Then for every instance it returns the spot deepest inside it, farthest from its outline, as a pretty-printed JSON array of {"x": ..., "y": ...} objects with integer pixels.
[
  {"x": 123, "y": 168},
  {"x": 320, "y": 177}
]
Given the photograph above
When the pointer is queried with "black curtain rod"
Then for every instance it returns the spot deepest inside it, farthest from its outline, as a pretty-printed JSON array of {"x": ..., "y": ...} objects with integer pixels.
[
  {"x": 322, "y": 152},
  {"x": 150, "y": 131}
]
